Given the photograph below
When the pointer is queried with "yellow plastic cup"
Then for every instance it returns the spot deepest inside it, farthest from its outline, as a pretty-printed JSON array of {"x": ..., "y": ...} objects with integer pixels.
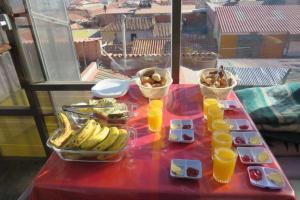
[
  {"x": 154, "y": 119},
  {"x": 214, "y": 113},
  {"x": 208, "y": 102},
  {"x": 224, "y": 164}
]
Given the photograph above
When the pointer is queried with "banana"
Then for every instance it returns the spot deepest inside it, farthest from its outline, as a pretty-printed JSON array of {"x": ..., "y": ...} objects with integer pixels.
[
  {"x": 70, "y": 142},
  {"x": 121, "y": 141},
  {"x": 109, "y": 140},
  {"x": 98, "y": 136},
  {"x": 65, "y": 134},
  {"x": 85, "y": 132}
]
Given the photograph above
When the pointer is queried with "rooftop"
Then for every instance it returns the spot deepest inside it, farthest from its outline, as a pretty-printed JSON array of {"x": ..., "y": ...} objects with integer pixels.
[
  {"x": 259, "y": 18},
  {"x": 151, "y": 46},
  {"x": 132, "y": 24},
  {"x": 162, "y": 30}
]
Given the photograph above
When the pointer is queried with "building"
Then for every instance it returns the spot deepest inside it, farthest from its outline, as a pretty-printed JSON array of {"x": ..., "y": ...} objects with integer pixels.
[
  {"x": 257, "y": 31},
  {"x": 136, "y": 27}
]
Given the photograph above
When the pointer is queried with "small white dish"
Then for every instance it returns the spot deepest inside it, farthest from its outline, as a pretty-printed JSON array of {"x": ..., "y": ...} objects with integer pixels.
[
  {"x": 110, "y": 88},
  {"x": 250, "y": 155},
  {"x": 246, "y": 138},
  {"x": 230, "y": 104},
  {"x": 181, "y": 124},
  {"x": 181, "y": 135},
  {"x": 264, "y": 182},
  {"x": 240, "y": 124},
  {"x": 185, "y": 166}
]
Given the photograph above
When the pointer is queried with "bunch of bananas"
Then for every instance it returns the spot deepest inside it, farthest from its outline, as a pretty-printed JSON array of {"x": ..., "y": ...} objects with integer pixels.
[{"x": 92, "y": 136}]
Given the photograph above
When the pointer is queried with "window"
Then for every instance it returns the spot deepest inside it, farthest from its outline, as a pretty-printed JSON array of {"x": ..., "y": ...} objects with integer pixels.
[{"x": 133, "y": 36}]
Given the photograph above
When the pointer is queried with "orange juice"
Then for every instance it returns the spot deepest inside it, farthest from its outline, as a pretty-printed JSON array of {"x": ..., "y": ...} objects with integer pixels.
[
  {"x": 154, "y": 119},
  {"x": 214, "y": 113},
  {"x": 156, "y": 104},
  {"x": 220, "y": 125},
  {"x": 220, "y": 139},
  {"x": 224, "y": 164},
  {"x": 207, "y": 102}
]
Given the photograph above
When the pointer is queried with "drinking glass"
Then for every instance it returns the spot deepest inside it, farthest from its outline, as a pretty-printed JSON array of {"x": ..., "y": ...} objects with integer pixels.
[
  {"x": 221, "y": 139},
  {"x": 154, "y": 119},
  {"x": 214, "y": 113},
  {"x": 224, "y": 164},
  {"x": 207, "y": 102}
]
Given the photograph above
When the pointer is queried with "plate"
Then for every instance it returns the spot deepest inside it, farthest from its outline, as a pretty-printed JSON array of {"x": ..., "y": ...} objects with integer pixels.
[
  {"x": 229, "y": 104},
  {"x": 110, "y": 88},
  {"x": 240, "y": 124},
  {"x": 181, "y": 124},
  {"x": 246, "y": 138},
  {"x": 264, "y": 182},
  {"x": 253, "y": 155},
  {"x": 181, "y": 135},
  {"x": 187, "y": 167}
]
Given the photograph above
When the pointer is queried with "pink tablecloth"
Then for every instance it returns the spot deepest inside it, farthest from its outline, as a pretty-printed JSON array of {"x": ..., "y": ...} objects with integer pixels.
[{"x": 144, "y": 172}]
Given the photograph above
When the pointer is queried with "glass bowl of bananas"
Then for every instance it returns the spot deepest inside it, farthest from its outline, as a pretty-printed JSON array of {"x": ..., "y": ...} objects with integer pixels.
[{"x": 91, "y": 142}]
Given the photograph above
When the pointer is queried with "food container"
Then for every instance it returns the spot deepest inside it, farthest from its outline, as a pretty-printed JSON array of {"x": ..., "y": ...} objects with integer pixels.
[
  {"x": 258, "y": 177},
  {"x": 246, "y": 138},
  {"x": 94, "y": 155},
  {"x": 188, "y": 169},
  {"x": 229, "y": 104},
  {"x": 220, "y": 93},
  {"x": 81, "y": 113},
  {"x": 252, "y": 155},
  {"x": 239, "y": 124},
  {"x": 181, "y": 135},
  {"x": 155, "y": 92}
]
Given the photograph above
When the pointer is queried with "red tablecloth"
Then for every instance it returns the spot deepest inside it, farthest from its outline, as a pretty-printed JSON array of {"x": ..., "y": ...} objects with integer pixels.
[{"x": 144, "y": 172}]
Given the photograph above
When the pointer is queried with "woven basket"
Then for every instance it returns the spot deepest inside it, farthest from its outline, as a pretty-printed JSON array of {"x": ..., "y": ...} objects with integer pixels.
[{"x": 219, "y": 93}]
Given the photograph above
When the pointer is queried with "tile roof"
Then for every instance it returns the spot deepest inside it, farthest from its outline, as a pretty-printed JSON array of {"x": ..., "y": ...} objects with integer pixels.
[
  {"x": 76, "y": 18},
  {"x": 132, "y": 24},
  {"x": 76, "y": 26},
  {"x": 151, "y": 46},
  {"x": 162, "y": 30},
  {"x": 259, "y": 18}
]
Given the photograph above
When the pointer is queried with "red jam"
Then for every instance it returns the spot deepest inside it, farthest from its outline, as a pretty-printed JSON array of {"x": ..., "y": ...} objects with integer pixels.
[
  {"x": 187, "y": 137},
  {"x": 244, "y": 126},
  {"x": 192, "y": 172},
  {"x": 247, "y": 158},
  {"x": 232, "y": 106},
  {"x": 187, "y": 126},
  {"x": 255, "y": 174},
  {"x": 239, "y": 140}
]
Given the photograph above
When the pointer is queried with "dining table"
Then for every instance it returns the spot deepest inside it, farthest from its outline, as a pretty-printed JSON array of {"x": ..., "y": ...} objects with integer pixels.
[{"x": 144, "y": 172}]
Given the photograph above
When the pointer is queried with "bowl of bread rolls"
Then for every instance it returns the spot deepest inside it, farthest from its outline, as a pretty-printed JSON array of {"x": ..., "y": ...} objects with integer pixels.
[{"x": 154, "y": 82}]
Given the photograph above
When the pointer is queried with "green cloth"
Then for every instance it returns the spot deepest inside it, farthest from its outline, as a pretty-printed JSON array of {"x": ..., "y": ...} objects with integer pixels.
[{"x": 275, "y": 108}]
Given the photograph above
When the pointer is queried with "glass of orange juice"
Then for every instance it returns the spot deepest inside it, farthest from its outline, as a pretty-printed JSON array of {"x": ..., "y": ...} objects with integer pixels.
[
  {"x": 154, "y": 119},
  {"x": 156, "y": 103},
  {"x": 214, "y": 113},
  {"x": 224, "y": 164},
  {"x": 220, "y": 125},
  {"x": 207, "y": 102},
  {"x": 221, "y": 139}
]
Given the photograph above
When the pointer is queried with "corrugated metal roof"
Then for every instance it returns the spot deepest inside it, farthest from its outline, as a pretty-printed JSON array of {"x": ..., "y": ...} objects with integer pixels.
[
  {"x": 162, "y": 30},
  {"x": 151, "y": 46},
  {"x": 131, "y": 23},
  {"x": 259, "y": 18}
]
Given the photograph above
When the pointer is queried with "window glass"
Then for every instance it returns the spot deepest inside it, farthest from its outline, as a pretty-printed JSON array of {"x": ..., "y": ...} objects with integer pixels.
[
  {"x": 115, "y": 39},
  {"x": 258, "y": 41}
]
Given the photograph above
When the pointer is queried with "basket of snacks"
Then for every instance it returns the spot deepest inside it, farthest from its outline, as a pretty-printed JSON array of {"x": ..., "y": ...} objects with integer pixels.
[
  {"x": 154, "y": 82},
  {"x": 91, "y": 142},
  {"x": 216, "y": 82}
]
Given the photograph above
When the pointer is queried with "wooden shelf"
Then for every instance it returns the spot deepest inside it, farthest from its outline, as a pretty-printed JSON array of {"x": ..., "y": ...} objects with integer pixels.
[{"x": 4, "y": 48}]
